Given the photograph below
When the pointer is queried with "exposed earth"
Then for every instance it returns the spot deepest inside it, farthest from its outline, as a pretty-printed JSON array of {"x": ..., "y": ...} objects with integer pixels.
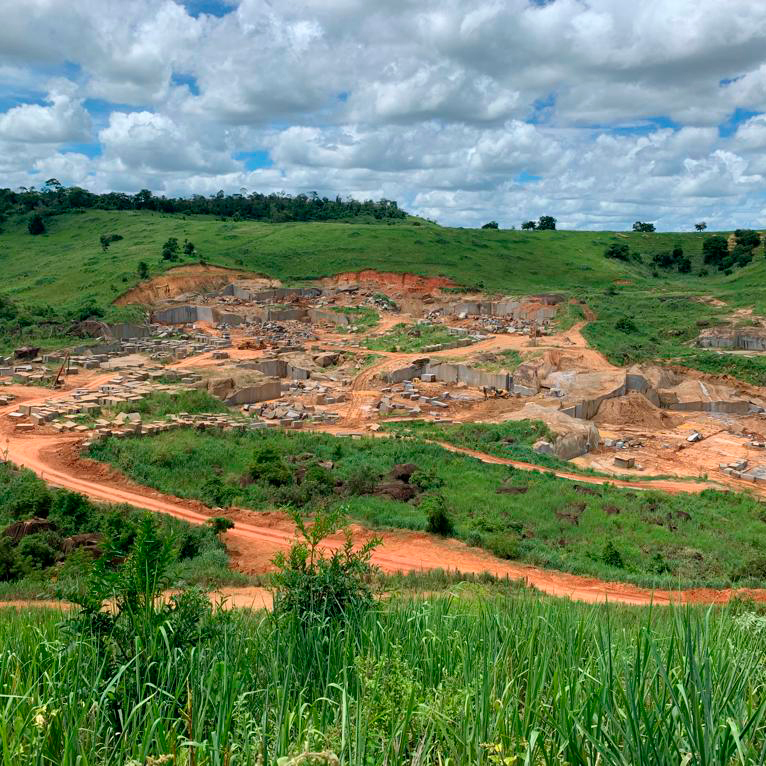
[{"x": 361, "y": 349}]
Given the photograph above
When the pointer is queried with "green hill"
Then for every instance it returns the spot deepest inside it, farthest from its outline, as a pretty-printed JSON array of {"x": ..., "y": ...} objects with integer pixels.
[{"x": 66, "y": 270}]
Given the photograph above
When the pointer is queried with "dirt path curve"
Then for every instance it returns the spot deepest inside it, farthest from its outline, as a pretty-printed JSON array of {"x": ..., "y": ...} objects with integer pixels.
[
  {"x": 670, "y": 486},
  {"x": 401, "y": 550}
]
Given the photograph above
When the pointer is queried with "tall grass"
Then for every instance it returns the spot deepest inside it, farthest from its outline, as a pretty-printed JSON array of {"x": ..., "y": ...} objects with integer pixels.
[{"x": 414, "y": 682}]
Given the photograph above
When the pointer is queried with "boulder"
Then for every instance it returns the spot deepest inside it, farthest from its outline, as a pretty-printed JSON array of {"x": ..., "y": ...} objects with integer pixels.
[
  {"x": 20, "y": 529},
  {"x": 396, "y": 490},
  {"x": 403, "y": 471}
]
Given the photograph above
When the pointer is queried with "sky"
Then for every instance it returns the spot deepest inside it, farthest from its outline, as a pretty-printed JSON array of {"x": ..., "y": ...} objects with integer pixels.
[{"x": 598, "y": 112}]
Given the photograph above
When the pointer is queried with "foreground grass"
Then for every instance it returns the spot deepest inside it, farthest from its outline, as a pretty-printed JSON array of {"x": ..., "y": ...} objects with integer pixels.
[
  {"x": 489, "y": 680},
  {"x": 646, "y": 537}
]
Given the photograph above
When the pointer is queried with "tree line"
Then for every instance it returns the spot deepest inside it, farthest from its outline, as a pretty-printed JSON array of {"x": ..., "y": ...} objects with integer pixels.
[{"x": 55, "y": 198}]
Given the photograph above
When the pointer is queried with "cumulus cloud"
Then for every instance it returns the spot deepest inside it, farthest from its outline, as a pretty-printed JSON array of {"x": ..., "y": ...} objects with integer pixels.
[
  {"x": 64, "y": 119},
  {"x": 598, "y": 112}
]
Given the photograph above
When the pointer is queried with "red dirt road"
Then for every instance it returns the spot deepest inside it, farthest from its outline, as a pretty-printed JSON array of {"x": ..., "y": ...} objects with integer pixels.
[{"x": 53, "y": 458}]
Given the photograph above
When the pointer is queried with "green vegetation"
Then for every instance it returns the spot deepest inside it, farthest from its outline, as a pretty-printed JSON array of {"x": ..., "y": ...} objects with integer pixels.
[
  {"x": 503, "y": 361},
  {"x": 411, "y": 337},
  {"x": 63, "y": 275},
  {"x": 363, "y": 317},
  {"x": 486, "y": 676},
  {"x": 713, "y": 538},
  {"x": 512, "y": 439},
  {"x": 158, "y": 404},
  {"x": 633, "y": 326},
  {"x": 52, "y": 558}
]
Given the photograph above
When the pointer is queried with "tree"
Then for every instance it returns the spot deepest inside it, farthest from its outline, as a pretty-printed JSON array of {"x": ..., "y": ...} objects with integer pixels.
[
  {"x": 715, "y": 250},
  {"x": 491, "y": 225},
  {"x": 701, "y": 226},
  {"x": 618, "y": 252},
  {"x": 143, "y": 270},
  {"x": 546, "y": 222},
  {"x": 643, "y": 227},
  {"x": 189, "y": 247},
  {"x": 528, "y": 225},
  {"x": 747, "y": 238},
  {"x": 36, "y": 224},
  {"x": 170, "y": 250},
  {"x": 684, "y": 265}
]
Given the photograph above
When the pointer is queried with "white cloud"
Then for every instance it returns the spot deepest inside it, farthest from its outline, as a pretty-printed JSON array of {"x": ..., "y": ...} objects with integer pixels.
[
  {"x": 598, "y": 112},
  {"x": 64, "y": 120}
]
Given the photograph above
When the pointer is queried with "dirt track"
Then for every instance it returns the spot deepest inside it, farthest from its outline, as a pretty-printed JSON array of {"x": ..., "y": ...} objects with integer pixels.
[{"x": 53, "y": 458}]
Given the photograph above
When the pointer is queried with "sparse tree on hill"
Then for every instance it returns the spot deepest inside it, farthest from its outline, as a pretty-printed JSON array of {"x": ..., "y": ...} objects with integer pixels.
[
  {"x": 643, "y": 227},
  {"x": 170, "y": 250},
  {"x": 619, "y": 252},
  {"x": 36, "y": 224},
  {"x": 189, "y": 247},
  {"x": 701, "y": 226},
  {"x": 715, "y": 250},
  {"x": 528, "y": 226},
  {"x": 143, "y": 270},
  {"x": 490, "y": 225},
  {"x": 546, "y": 223}
]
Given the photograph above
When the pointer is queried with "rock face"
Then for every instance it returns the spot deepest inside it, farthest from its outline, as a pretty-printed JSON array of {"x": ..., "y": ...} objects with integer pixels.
[
  {"x": 572, "y": 437},
  {"x": 737, "y": 338}
]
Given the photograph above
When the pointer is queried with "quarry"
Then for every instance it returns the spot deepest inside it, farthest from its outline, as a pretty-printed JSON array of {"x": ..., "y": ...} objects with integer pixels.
[{"x": 350, "y": 354}]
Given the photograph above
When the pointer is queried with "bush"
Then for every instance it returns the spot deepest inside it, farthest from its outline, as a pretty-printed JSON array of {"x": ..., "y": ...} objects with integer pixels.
[
  {"x": 269, "y": 468},
  {"x": 426, "y": 479},
  {"x": 11, "y": 564},
  {"x": 612, "y": 557},
  {"x": 618, "y": 252},
  {"x": 435, "y": 508},
  {"x": 626, "y": 325},
  {"x": 36, "y": 224},
  {"x": 314, "y": 587},
  {"x": 39, "y": 550}
]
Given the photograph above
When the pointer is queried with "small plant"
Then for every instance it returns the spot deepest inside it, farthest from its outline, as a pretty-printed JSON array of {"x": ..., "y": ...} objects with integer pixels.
[
  {"x": 626, "y": 325},
  {"x": 314, "y": 586},
  {"x": 612, "y": 556},
  {"x": 435, "y": 508},
  {"x": 220, "y": 524},
  {"x": 170, "y": 250},
  {"x": 143, "y": 270}
]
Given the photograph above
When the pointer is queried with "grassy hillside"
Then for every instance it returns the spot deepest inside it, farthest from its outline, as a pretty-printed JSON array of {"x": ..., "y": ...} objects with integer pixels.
[
  {"x": 66, "y": 266},
  {"x": 66, "y": 269}
]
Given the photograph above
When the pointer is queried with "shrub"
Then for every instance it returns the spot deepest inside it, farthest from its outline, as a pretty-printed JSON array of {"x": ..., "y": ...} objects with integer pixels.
[
  {"x": 426, "y": 479},
  {"x": 617, "y": 251},
  {"x": 314, "y": 587},
  {"x": 435, "y": 508},
  {"x": 220, "y": 524},
  {"x": 269, "y": 468},
  {"x": 36, "y": 224},
  {"x": 11, "y": 564},
  {"x": 626, "y": 325},
  {"x": 216, "y": 492},
  {"x": 612, "y": 557},
  {"x": 38, "y": 550}
]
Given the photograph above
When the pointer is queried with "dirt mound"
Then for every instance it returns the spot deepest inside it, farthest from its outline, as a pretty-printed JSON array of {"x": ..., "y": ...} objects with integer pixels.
[
  {"x": 408, "y": 283},
  {"x": 632, "y": 410},
  {"x": 184, "y": 279}
]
